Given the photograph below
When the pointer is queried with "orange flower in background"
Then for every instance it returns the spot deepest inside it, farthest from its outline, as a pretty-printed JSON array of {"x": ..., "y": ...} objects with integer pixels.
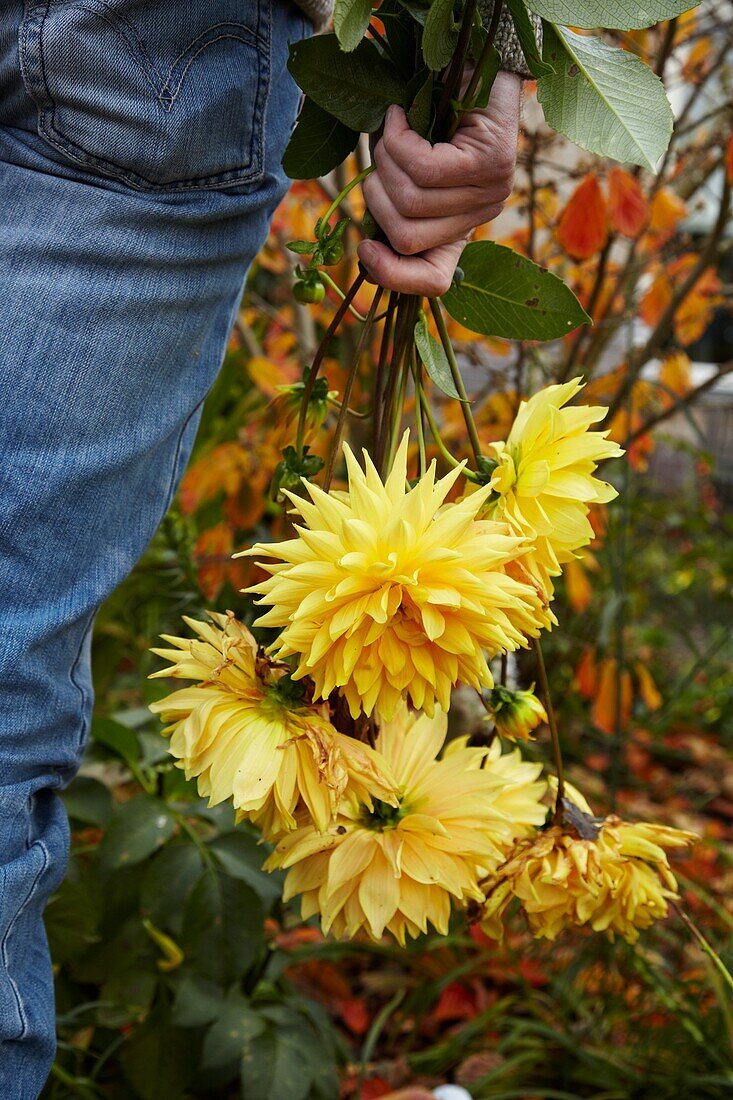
[
  {"x": 605, "y": 707},
  {"x": 586, "y": 674},
  {"x": 219, "y": 470},
  {"x": 583, "y": 227},
  {"x": 628, "y": 209},
  {"x": 648, "y": 690},
  {"x": 656, "y": 299}
]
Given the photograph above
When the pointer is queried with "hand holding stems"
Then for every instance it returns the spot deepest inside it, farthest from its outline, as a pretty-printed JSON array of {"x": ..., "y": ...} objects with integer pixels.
[{"x": 428, "y": 199}]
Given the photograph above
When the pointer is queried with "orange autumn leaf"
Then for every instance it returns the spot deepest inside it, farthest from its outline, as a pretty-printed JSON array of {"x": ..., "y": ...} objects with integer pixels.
[
  {"x": 213, "y": 557},
  {"x": 604, "y": 713},
  {"x": 647, "y": 688},
  {"x": 219, "y": 471},
  {"x": 666, "y": 211},
  {"x": 675, "y": 375},
  {"x": 698, "y": 60},
  {"x": 656, "y": 299},
  {"x": 577, "y": 586},
  {"x": 583, "y": 227},
  {"x": 696, "y": 311},
  {"x": 628, "y": 209}
]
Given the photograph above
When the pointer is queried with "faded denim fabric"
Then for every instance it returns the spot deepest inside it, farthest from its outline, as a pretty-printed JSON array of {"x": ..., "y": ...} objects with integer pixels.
[{"x": 140, "y": 146}]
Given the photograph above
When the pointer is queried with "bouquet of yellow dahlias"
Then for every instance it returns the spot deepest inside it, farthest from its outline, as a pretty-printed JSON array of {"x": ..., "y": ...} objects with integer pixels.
[{"x": 417, "y": 574}]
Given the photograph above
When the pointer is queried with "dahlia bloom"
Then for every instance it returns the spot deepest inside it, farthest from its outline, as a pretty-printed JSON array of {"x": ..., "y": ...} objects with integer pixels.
[
  {"x": 244, "y": 734},
  {"x": 388, "y": 593},
  {"x": 399, "y": 868},
  {"x": 612, "y": 875},
  {"x": 545, "y": 481}
]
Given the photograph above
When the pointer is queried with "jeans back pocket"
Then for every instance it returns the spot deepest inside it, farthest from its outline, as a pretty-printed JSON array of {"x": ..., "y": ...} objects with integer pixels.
[{"x": 162, "y": 95}]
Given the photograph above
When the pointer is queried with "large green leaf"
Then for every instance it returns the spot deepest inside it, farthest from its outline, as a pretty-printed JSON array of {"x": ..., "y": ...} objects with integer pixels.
[
  {"x": 138, "y": 828},
  {"x": 88, "y": 801},
  {"x": 242, "y": 857},
  {"x": 350, "y": 21},
  {"x": 157, "y": 1060},
  {"x": 275, "y": 1065},
  {"x": 621, "y": 14},
  {"x": 604, "y": 99},
  {"x": 197, "y": 1002},
  {"x": 168, "y": 880},
  {"x": 222, "y": 927},
  {"x": 318, "y": 143},
  {"x": 356, "y": 87},
  {"x": 505, "y": 294},
  {"x": 236, "y": 1025}
]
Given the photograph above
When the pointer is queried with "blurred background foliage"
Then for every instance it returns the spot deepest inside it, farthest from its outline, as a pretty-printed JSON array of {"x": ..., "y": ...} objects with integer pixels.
[{"x": 179, "y": 971}]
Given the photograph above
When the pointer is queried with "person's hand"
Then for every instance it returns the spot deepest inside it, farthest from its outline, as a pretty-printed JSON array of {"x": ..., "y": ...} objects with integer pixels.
[{"x": 428, "y": 199}]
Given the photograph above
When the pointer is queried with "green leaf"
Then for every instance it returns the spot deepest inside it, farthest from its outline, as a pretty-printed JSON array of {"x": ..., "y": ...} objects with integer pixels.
[
  {"x": 167, "y": 882},
  {"x": 275, "y": 1065},
  {"x": 120, "y": 740},
  {"x": 527, "y": 38},
  {"x": 433, "y": 356},
  {"x": 71, "y": 915},
  {"x": 505, "y": 294},
  {"x": 158, "y": 1061},
  {"x": 197, "y": 1002},
  {"x": 356, "y": 87},
  {"x": 236, "y": 1025},
  {"x": 440, "y": 36},
  {"x": 242, "y": 857},
  {"x": 319, "y": 143},
  {"x": 623, "y": 15},
  {"x": 420, "y": 115},
  {"x": 222, "y": 927},
  {"x": 127, "y": 996},
  {"x": 604, "y": 99},
  {"x": 88, "y": 801},
  {"x": 138, "y": 828},
  {"x": 350, "y": 21}
]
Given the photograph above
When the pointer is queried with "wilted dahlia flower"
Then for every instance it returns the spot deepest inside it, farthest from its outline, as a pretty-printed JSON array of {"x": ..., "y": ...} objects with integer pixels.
[
  {"x": 388, "y": 593},
  {"x": 398, "y": 868},
  {"x": 244, "y": 734},
  {"x": 545, "y": 481},
  {"x": 611, "y": 875}
]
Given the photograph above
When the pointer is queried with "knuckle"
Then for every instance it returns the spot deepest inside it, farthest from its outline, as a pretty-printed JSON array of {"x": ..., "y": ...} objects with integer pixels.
[
  {"x": 424, "y": 172},
  {"x": 410, "y": 201},
  {"x": 402, "y": 239},
  {"x": 440, "y": 284}
]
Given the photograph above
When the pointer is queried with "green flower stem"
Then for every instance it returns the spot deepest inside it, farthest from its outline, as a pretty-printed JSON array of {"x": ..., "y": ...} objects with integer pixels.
[
  {"x": 705, "y": 946},
  {"x": 379, "y": 375},
  {"x": 326, "y": 278},
  {"x": 344, "y": 192},
  {"x": 556, "y": 750},
  {"x": 435, "y": 432},
  {"x": 365, "y": 333},
  {"x": 457, "y": 379},
  {"x": 481, "y": 61},
  {"x": 419, "y": 425},
  {"x": 320, "y": 355}
]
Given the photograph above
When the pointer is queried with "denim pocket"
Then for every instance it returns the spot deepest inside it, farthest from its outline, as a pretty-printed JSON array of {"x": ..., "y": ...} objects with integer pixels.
[{"x": 159, "y": 94}]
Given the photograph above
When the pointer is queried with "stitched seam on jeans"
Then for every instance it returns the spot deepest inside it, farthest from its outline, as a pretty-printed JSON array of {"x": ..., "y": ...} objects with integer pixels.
[
  {"x": 4, "y": 946},
  {"x": 200, "y": 50},
  {"x": 251, "y": 37},
  {"x": 83, "y": 693},
  {"x": 174, "y": 472}
]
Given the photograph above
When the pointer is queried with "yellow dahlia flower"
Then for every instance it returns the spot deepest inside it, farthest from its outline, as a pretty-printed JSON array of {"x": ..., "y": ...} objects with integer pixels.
[
  {"x": 611, "y": 875},
  {"x": 515, "y": 713},
  {"x": 545, "y": 481},
  {"x": 399, "y": 868},
  {"x": 386, "y": 595},
  {"x": 239, "y": 730}
]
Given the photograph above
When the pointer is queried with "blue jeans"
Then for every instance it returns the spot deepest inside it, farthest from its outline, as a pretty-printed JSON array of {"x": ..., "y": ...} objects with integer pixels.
[{"x": 140, "y": 147}]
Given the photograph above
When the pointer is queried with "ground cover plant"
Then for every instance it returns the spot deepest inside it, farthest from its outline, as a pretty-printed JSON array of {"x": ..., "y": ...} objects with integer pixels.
[{"x": 183, "y": 967}]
